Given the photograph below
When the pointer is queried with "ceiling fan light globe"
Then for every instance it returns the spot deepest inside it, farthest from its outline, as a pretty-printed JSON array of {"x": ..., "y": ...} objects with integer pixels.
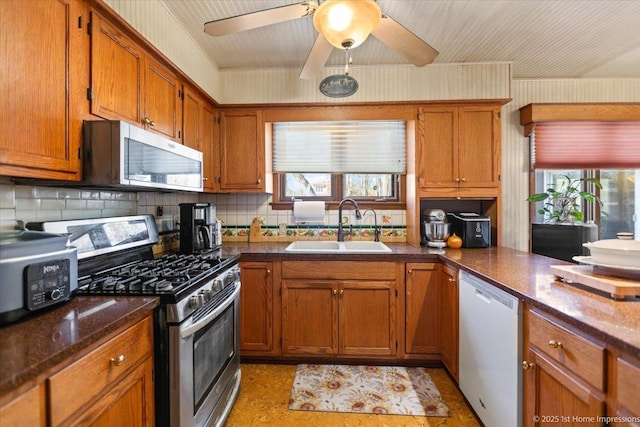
[{"x": 342, "y": 20}]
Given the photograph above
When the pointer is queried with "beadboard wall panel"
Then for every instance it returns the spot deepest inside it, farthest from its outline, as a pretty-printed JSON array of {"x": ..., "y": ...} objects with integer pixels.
[
  {"x": 515, "y": 147},
  {"x": 399, "y": 83},
  {"x": 152, "y": 19}
]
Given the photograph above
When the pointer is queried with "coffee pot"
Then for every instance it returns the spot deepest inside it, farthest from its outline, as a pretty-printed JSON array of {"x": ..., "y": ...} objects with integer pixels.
[{"x": 198, "y": 228}]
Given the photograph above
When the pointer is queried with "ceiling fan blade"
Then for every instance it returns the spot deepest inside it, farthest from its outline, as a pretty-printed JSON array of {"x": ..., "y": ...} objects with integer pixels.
[
  {"x": 404, "y": 42},
  {"x": 318, "y": 56},
  {"x": 248, "y": 21}
]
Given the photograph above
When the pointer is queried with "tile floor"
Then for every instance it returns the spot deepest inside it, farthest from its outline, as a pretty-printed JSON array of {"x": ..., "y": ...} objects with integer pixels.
[{"x": 264, "y": 397}]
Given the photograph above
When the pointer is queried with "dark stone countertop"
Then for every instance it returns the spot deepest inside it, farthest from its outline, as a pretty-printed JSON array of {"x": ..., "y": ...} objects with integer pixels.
[
  {"x": 33, "y": 349},
  {"x": 525, "y": 275}
]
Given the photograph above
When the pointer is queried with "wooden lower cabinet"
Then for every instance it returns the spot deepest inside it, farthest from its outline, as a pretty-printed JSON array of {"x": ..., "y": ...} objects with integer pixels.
[
  {"x": 626, "y": 388},
  {"x": 28, "y": 409},
  {"x": 564, "y": 375},
  {"x": 422, "y": 309},
  {"x": 257, "y": 331},
  {"x": 351, "y": 318},
  {"x": 351, "y": 313},
  {"x": 111, "y": 385},
  {"x": 449, "y": 330}
]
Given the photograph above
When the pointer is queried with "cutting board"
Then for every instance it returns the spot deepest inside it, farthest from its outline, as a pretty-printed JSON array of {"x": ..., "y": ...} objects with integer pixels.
[{"x": 583, "y": 274}]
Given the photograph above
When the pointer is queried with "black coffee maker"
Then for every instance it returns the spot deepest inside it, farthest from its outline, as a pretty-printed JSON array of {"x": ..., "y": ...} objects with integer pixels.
[{"x": 197, "y": 228}]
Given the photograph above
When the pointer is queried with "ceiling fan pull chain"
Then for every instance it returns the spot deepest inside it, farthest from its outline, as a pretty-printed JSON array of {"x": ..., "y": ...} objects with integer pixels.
[{"x": 348, "y": 60}]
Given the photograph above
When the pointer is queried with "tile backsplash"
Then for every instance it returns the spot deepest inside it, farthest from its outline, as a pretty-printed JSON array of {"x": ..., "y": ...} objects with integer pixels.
[{"x": 39, "y": 203}]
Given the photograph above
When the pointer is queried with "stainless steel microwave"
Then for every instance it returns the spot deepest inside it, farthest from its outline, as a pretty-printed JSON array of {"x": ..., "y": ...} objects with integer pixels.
[{"x": 119, "y": 154}]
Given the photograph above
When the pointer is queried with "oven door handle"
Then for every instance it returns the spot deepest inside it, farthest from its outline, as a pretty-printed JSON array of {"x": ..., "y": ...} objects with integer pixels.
[{"x": 191, "y": 329}]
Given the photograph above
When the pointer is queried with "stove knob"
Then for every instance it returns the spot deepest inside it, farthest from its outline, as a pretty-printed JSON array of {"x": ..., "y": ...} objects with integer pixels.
[
  {"x": 208, "y": 294},
  {"x": 194, "y": 302},
  {"x": 201, "y": 299},
  {"x": 217, "y": 285}
]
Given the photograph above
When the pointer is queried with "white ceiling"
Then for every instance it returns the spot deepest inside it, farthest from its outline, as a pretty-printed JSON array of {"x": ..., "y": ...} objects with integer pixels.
[{"x": 541, "y": 38}]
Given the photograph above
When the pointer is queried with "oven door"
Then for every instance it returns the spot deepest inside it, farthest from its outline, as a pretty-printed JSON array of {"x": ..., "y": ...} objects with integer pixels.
[{"x": 204, "y": 363}]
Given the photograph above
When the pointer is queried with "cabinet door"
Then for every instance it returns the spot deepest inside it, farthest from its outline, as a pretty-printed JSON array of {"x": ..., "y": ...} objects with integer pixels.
[
  {"x": 28, "y": 409},
  {"x": 242, "y": 151},
  {"x": 479, "y": 146},
  {"x": 191, "y": 118},
  {"x": 130, "y": 403},
  {"x": 209, "y": 144},
  {"x": 449, "y": 319},
  {"x": 256, "y": 307},
  {"x": 309, "y": 317},
  {"x": 367, "y": 318},
  {"x": 162, "y": 103},
  {"x": 422, "y": 310},
  {"x": 436, "y": 156},
  {"x": 116, "y": 73},
  {"x": 44, "y": 63},
  {"x": 555, "y": 396}
]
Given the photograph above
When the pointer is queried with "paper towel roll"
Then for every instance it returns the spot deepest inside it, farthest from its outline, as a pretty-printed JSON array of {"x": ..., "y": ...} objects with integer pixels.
[{"x": 308, "y": 211}]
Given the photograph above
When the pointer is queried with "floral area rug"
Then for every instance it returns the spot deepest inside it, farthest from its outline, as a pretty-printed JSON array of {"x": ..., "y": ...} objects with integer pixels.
[{"x": 367, "y": 390}]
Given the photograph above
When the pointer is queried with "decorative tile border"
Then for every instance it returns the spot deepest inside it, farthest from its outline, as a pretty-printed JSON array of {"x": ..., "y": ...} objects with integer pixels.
[{"x": 271, "y": 233}]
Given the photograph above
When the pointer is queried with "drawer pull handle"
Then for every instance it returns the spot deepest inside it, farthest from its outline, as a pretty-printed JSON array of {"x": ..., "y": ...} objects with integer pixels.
[
  {"x": 555, "y": 344},
  {"x": 526, "y": 365},
  {"x": 117, "y": 361}
]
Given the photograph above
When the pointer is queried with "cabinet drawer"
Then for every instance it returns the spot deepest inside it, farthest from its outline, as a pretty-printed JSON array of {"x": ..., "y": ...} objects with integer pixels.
[
  {"x": 339, "y": 270},
  {"x": 578, "y": 354},
  {"x": 627, "y": 391},
  {"x": 82, "y": 381}
]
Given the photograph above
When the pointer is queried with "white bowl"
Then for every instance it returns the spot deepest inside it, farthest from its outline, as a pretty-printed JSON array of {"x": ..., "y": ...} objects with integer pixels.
[{"x": 624, "y": 253}]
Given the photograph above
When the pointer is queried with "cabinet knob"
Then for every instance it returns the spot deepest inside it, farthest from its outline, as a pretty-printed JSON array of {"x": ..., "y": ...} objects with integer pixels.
[
  {"x": 457, "y": 179},
  {"x": 341, "y": 291},
  {"x": 451, "y": 280},
  {"x": 259, "y": 181},
  {"x": 463, "y": 179},
  {"x": 526, "y": 365},
  {"x": 268, "y": 271},
  {"x": 410, "y": 271},
  {"x": 204, "y": 178},
  {"x": 152, "y": 123},
  {"x": 335, "y": 292},
  {"x": 117, "y": 361},
  {"x": 555, "y": 344}
]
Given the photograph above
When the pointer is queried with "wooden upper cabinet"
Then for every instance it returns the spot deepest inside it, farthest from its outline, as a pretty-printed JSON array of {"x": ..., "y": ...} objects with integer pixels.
[
  {"x": 162, "y": 100},
  {"x": 479, "y": 146},
  {"x": 127, "y": 84},
  {"x": 116, "y": 73},
  {"x": 44, "y": 69},
  {"x": 458, "y": 147},
  {"x": 243, "y": 165},
  {"x": 436, "y": 155},
  {"x": 199, "y": 132}
]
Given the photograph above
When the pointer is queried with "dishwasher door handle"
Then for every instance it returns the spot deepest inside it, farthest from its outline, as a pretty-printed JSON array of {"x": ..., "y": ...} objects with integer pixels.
[{"x": 482, "y": 296}]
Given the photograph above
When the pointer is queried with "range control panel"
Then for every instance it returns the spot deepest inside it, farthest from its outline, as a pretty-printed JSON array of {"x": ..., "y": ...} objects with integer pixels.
[{"x": 47, "y": 283}]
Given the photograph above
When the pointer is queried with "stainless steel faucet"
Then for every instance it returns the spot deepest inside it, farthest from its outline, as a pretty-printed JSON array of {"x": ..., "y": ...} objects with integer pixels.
[{"x": 341, "y": 232}]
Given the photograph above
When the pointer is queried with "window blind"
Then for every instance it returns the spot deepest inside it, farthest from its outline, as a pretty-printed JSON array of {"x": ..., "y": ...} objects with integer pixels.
[
  {"x": 340, "y": 147},
  {"x": 585, "y": 145}
]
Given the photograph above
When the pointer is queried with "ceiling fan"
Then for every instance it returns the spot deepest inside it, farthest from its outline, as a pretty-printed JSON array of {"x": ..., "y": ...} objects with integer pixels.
[{"x": 344, "y": 24}]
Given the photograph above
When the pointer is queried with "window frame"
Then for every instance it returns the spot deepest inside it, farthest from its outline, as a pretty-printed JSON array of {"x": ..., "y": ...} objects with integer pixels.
[{"x": 280, "y": 202}]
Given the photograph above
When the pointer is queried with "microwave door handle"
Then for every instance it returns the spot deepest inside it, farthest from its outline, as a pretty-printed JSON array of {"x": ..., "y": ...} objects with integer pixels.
[{"x": 188, "y": 330}]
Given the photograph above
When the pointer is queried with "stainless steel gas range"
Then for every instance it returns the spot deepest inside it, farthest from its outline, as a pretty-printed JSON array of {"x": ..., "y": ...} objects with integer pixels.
[{"x": 197, "y": 358}]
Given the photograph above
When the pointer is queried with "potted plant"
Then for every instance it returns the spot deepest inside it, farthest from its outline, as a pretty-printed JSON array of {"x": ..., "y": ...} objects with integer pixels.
[
  {"x": 563, "y": 232},
  {"x": 562, "y": 205}
]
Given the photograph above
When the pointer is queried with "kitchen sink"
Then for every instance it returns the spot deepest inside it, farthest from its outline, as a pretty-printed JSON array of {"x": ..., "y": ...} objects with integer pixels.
[{"x": 324, "y": 246}]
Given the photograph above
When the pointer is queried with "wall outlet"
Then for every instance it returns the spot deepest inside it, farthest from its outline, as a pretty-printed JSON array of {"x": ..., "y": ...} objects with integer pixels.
[{"x": 282, "y": 229}]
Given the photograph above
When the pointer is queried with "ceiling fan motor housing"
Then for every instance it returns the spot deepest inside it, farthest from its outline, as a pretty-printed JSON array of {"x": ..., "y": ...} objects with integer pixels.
[{"x": 347, "y": 23}]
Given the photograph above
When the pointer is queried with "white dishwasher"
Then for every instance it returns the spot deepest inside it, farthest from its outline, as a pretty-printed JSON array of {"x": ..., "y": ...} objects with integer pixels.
[{"x": 490, "y": 352}]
